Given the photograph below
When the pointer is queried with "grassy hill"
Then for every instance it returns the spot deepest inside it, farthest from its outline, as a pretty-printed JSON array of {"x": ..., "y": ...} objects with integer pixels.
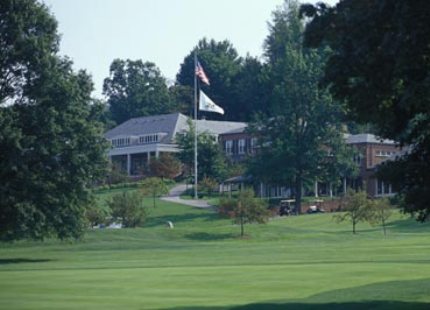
[{"x": 305, "y": 262}]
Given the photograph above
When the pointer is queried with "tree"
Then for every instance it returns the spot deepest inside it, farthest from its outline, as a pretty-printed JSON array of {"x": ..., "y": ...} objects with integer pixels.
[
  {"x": 128, "y": 208},
  {"x": 166, "y": 166},
  {"x": 355, "y": 208},
  {"x": 302, "y": 122},
  {"x": 96, "y": 215},
  {"x": 210, "y": 158},
  {"x": 51, "y": 142},
  {"x": 379, "y": 67},
  {"x": 250, "y": 91},
  {"x": 221, "y": 63},
  {"x": 380, "y": 212},
  {"x": 28, "y": 39},
  {"x": 135, "y": 89},
  {"x": 339, "y": 164},
  {"x": 154, "y": 187},
  {"x": 208, "y": 185},
  {"x": 246, "y": 209}
]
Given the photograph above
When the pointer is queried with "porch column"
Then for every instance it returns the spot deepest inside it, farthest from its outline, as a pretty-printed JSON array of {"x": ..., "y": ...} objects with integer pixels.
[
  {"x": 128, "y": 164},
  {"x": 316, "y": 188},
  {"x": 148, "y": 158},
  {"x": 331, "y": 190},
  {"x": 344, "y": 186}
]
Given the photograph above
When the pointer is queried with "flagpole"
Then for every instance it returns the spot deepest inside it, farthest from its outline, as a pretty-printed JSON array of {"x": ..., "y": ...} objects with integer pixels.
[{"x": 195, "y": 127}]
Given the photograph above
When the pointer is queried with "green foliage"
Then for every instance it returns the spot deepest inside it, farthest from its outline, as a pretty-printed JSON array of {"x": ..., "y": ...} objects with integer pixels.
[
  {"x": 52, "y": 149},
  {"x": 380, "y": 68},
  {"x": 380, "y": 212},
  {"x": 96, "y": 214},
  {"x": 154, "y": 187},
  {"x": 128, "y": 208},
  {"x": 221, "y": 63},
  {"x": 210, "y": 157},
  {"x": 166, "y": 166},
  {"x": 245, "y": 209},
  {"x": 28, "y": 39},
  {"x": 135, "y": 89},
  {"x": 303, "y": 122},
  {"x": 355, "y": 208},
  {"x": 208, "y": 185}
]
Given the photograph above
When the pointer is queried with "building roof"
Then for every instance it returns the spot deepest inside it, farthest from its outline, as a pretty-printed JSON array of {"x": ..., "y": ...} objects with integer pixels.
[
  {"x": 170, "y": 124},
  {"x": 167, "y": 123},
  {"x": 366, "y": 138},
  {"x": 219, "y": 127}
]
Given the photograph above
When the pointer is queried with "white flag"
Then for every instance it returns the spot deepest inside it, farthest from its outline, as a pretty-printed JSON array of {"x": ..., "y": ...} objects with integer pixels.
[{"x": 206, "y": 104}]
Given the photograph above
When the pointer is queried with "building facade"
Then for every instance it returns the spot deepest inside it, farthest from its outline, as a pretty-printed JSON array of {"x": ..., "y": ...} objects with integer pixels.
[{"x": 135, "y": 142}]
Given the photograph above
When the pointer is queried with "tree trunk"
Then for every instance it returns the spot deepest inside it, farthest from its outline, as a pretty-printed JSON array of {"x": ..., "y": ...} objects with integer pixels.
[
  {"x": 298, "y": 203},
  {"x": 241, "y": 226},
  {"x": 353, "y": 227},
  {"x": 383, "y": 227}
]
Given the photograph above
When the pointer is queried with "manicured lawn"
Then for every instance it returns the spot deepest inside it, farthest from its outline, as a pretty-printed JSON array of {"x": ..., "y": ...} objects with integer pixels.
[{"x": 306, "y": 262}]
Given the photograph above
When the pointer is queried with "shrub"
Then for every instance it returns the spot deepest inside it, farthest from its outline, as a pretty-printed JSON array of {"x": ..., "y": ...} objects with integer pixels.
[{"x": 128, "y": 208}]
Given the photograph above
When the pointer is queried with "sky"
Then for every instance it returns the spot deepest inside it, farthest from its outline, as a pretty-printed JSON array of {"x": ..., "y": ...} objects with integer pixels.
[{"x": 95, "y": 32}]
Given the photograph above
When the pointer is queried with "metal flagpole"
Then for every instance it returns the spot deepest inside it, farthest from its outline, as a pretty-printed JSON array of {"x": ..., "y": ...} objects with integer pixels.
[{"x": 195, "y": 126}]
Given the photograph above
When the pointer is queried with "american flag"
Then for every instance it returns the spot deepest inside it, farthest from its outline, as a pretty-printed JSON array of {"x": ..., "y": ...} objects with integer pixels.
[{"x": 201, "y": 73}]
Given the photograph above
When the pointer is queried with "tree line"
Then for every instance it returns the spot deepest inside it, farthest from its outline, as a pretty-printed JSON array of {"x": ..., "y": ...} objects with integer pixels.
[{"x": 341, "y": 70}]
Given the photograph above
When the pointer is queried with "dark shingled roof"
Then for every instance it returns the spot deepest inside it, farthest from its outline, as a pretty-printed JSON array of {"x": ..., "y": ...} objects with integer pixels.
[
  {"x": 167, "y": 123},
  {"x": 170, "y": 124},
  {"x": 366, "y": 138}
]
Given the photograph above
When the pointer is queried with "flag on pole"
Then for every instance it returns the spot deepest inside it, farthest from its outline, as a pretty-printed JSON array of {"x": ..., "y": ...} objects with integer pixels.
[
  {"x": 201, "y": 73},
  {"x": 206, "y": 104}
]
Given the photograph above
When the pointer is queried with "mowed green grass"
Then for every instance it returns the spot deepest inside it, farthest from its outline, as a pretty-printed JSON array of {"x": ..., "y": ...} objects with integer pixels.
[{"x": 305, "y": 262}]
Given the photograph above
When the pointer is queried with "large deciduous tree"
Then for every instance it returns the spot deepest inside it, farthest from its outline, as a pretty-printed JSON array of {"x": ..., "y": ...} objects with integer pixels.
[
  {"x": 221, "y": 63},
  {"x": 134, "y": 89},
  {"x": 51, "y": 143},
  {"x": 302, "y": 123},
  {"x": 380, "y": 66}
]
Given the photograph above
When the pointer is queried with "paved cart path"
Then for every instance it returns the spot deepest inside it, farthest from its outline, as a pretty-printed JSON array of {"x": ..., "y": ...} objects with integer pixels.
[{"x": 175, "y": 193}]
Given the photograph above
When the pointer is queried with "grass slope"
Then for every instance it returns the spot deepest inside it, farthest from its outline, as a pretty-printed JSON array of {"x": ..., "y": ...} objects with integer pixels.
[{"x": 306, "y": 262}]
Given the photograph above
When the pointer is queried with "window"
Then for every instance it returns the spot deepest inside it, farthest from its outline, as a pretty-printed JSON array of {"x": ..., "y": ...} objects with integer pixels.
[
  {"x": 383, "y": 188},
  {"x": 253, "y": 144},
  {"x": 148, "y": 139},
  {"x": 241, "y": 146},
  {"x": 120, "y": 142},
  {"x": 229, "y": 147},
  {"x": 381, "y": 153}
]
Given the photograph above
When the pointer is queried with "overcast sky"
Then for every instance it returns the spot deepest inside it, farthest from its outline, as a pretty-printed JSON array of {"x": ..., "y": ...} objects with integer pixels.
[{"x": 94, "y": 32}]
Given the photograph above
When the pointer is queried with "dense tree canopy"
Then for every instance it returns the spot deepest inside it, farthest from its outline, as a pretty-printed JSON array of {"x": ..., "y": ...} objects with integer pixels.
[
  {"x": 221, "y": 63},
  {"x": 303, "y": 122},
  {"x": 51, "y": 143},
  {"x": 135, "y": 89},
  {"x": 380, "y": 66}
]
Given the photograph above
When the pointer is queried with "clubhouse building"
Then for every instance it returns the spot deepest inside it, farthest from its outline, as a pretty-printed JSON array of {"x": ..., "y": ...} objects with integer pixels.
[{"x": 138, "y": 140}]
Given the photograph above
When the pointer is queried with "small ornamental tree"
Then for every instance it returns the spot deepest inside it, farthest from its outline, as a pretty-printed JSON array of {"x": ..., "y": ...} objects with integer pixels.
[
  {"x": 166, "y": 166},
  {"x": 208, "y": 185},
  {"x": 355, "y": 208},
  {"x": 246, "y": 209},
  {"x": 380, "y": 212},
  {"x": 154, "y": 187},
  {"x": 128, "y": 208}
]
